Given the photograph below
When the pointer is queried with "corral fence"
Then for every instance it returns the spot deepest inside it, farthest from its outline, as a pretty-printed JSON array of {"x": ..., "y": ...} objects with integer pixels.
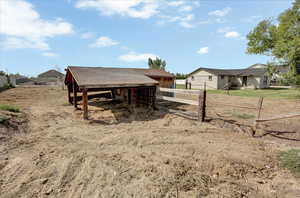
[{"x": 199, "y": 99}]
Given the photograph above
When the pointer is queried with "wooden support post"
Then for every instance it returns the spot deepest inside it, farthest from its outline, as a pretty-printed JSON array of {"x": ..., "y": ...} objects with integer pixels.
[
  {"x": 259, "y": 107},
  {"x": 85, "y": 104},
  {"x": 74, "y": 94},
  {"x": 202, "y": 105},
  {"x": 154, "y": 99},
  {"x": 129, "y": 96},
  {"x": 113, "y": 94},
  {"x": 69, "y": 94}
]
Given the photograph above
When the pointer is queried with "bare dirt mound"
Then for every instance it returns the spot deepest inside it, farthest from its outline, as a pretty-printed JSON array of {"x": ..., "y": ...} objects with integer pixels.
[
  {"x": 143, "y": 154},
  {"x": 12, "y": 124}
]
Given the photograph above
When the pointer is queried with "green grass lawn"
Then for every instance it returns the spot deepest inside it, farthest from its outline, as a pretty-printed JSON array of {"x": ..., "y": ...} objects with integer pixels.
[
  {"x": 291, "y": 160},
  {"x": 267, "y": 93}
]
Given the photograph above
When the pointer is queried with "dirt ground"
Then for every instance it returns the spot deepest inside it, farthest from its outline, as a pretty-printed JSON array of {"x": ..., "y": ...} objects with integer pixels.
[{"x": 142, "y": 154}]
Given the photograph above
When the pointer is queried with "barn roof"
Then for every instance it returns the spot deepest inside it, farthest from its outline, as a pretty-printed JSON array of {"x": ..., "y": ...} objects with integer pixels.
[
  {"x": 51, "y": 74},
  {"x": 101, "y": 77}
]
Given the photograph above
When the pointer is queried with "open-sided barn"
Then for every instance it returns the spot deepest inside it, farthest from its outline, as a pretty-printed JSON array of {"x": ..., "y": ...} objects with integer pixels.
[{"x": 137, "y": 86}]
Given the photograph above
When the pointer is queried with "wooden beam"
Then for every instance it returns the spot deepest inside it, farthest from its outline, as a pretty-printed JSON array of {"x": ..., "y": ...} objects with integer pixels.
[
  {"x": 280, "y": 117},
  {"x": 74, "y": 93},
  {"x": 69, "y": 94},
  {"x": 85, "y": 104},
  {"x": 179, "y": 100}
]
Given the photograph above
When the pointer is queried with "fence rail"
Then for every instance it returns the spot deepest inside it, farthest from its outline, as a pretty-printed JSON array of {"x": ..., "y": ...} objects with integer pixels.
[{"x": 202, "y": 104}]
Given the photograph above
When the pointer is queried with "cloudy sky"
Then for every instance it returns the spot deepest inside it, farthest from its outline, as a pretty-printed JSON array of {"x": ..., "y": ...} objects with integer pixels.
[{"x": 37, "y": 35}]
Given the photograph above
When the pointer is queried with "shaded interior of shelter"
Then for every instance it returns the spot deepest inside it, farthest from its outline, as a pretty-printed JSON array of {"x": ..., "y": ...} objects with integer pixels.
[{"x": 104, "y": 109}]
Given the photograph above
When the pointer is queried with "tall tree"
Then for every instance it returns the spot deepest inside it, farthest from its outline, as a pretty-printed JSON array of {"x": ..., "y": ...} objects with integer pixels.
[
  {"x": 157, "y": 64},
  {"x": 279, "y": 39}
]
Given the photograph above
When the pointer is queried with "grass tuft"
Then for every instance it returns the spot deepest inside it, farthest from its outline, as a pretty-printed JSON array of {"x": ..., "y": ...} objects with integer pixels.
[
  {"x": 3, "y": 119},
  {"x": 9, "y": 108},
  {"x": 291, "y": 160}
]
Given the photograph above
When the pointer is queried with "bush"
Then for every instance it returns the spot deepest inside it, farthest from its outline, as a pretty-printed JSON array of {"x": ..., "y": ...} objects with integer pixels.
[{"x": 9, "y": 108}]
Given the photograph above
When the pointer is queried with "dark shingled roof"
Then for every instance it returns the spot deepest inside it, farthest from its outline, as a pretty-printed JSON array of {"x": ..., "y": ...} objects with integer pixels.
[
  {"x": 101, "y": 77},
  {"x": 51, "y": 74},
  {"x": 233, "y": 72}
]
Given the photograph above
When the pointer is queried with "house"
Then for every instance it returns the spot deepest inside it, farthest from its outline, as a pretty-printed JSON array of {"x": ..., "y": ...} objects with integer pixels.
[
  {"x": 136, "y": 86},
  {"x": 253, "y": 77}
]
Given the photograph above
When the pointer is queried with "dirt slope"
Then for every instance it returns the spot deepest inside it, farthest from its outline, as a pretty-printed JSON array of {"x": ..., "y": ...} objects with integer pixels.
[{"x": 117, "y": 154}]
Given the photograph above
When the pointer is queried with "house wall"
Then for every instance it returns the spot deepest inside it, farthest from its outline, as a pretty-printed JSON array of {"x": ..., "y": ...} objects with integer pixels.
[
  {"x": 222, "y": 82},
  {"x": 198, "y": 79},
  {"x": 253, "y": 82}
]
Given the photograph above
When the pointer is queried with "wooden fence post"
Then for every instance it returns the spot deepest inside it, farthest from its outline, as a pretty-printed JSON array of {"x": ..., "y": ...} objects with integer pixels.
[
  {"x": 259, "y": 107},
  {"x": 202, "y": 105},
  {"x": 85, "y": 103}
]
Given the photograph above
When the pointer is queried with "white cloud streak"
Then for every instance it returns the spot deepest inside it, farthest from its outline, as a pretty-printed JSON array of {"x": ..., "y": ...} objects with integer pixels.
[
  {"x": 49, "y": 54},
  {"x": 220, "y": 13},
  {"x": 232, "y": 34},
  {"x": 135, "y": 57},
  {"x": 23, "y": 27},
  {"x": 132, "y": 8},
  {"x": 203, "y": 50},
  {"x": 104, "y": 42}
]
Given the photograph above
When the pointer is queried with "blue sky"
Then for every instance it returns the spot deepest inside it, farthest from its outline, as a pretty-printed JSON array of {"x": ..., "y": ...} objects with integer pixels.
[{"x": 37, "y": 35}]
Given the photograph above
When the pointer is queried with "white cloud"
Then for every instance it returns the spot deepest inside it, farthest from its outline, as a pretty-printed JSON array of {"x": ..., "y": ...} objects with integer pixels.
[
  {"x": 49, "y": 54},
  {"x": 104, "y": 42},
  {"x": 232, "y": 34},
  {"x": 175, "y": 3},
  {"x": 135, "y": 57},
  {"x": 229, "y": 33},
  {"x": 132, "y": 8},
  {"x": 24, "y": 28},
  {"x": 220, "y": 13},
  {"x": 203, "y": 50},
  {"x": 88, "y": 35},
  {"x": 186, "y": 8},
  {"x": 186, "y": 24}
]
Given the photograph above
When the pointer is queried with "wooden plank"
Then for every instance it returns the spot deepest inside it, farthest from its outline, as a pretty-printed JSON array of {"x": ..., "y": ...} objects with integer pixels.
[
  {"x": 280, "y": 117},
  {"x": 182, "y": 91},
  {"x": 179, "y": 100},
  {"x": 230, "y": 105},
  {"x": 129, "y": 96},
  {"x": 85, "y": 104}
]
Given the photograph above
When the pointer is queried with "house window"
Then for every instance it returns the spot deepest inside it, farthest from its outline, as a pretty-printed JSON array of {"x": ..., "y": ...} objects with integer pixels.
[
  {"x": 222, "y": 77},
  {"x": 210, "y": 78}
]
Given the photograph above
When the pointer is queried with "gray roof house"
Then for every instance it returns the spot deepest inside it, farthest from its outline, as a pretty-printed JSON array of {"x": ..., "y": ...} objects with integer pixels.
[{"x": 253, "y": 77}]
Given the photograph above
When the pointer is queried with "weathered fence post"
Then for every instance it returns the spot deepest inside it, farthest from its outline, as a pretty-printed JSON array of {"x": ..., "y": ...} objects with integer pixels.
[
  {"x": 259, "y": 107},
  {"x": 202, "y": 104}
]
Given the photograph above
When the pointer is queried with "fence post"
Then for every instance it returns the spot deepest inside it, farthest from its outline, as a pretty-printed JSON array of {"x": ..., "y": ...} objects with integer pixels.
[
  {"x": 202, "y": 104},
  {"x": 259, "y": 107}
]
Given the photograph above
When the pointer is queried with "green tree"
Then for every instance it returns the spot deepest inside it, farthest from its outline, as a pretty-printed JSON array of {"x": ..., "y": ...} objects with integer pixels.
[
  {"x": 157, "y": 64},
  {"x": 279, "y": 39}
]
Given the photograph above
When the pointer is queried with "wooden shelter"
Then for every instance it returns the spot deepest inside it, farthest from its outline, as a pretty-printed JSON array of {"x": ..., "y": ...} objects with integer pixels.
[{"x": 130, "y": 84}]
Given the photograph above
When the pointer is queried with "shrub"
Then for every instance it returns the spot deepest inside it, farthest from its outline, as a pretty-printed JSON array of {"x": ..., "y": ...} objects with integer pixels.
[{"x": 9, "y": 108}]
